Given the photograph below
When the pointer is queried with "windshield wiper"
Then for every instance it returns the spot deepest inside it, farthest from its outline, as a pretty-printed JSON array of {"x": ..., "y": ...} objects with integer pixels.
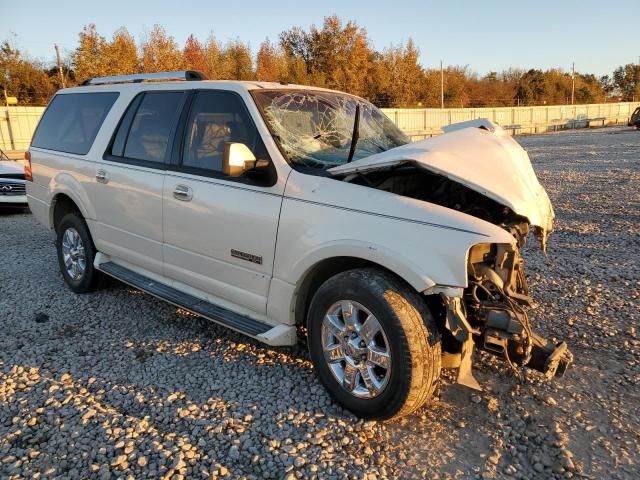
[{"x": 355, "y": 134}]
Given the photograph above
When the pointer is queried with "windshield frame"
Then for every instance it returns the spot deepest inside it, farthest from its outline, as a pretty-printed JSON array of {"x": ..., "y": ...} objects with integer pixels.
[{"x": 321, "y": 91}]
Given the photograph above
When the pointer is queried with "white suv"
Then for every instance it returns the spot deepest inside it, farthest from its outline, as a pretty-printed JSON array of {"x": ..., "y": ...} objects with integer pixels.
[{"x": 267, "y": 206}]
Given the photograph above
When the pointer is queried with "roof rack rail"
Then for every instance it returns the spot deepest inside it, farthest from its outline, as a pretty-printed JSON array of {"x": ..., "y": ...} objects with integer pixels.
[{"x": 188, "y": 75}]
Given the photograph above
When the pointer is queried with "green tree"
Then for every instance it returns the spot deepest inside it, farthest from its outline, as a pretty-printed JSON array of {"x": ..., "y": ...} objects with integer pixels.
[{"x": 626, "y": 79}]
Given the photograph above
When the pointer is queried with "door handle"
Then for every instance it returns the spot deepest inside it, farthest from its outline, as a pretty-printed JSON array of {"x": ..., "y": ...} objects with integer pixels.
[
  {"x": 182, "y": 192},
  {"x": 101, "y": 176}
]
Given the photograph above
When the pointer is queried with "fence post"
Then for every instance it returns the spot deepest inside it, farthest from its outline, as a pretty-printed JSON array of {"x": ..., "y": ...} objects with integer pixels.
[{"x": 12, "y": 142}]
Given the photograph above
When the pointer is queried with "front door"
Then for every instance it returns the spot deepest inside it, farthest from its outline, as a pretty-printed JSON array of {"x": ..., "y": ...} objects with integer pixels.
[
  {"x": 220, "y": 232},
  {"x": 130, "y": 179}
]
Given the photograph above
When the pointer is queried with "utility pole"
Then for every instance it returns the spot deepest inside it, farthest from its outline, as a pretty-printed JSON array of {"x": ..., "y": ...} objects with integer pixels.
[
  {"x": 573, "y": 82},
  {"x": 441, "y": 86},
  {"x": 62, "y": 82}
]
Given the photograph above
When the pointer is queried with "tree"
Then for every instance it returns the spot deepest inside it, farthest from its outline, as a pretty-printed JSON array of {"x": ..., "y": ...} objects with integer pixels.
[
  {"x": 589, "y": 89},
  {"x": 298, "y": 45},
  {"x": 400, "y": 76},
  {"x": 121, "y": 54},
  {"x": 24, "y": 79},
  {"x": 88, "y": 59},
  {"x": 627, "y": 81},
  {"x": 194, "y": 55},
  {"x": 215, "y": 67},
  {"x": 160, "y": 52},
  {"x": 342, "y": 54},
  {"x": 270, "y": 63},
  {"x": 237, "y": 61},
  {"x": 531, "y": 87},
  {"x": 336, "y": 56}
]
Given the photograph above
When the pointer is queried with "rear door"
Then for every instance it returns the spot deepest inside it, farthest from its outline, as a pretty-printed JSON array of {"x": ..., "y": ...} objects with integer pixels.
[
  {"x": 130, "y": 177},
  {"x": 220, "y": 232}
]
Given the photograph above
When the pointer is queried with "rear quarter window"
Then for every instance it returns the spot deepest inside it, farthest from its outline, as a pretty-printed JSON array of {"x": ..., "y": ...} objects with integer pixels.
[{"x": 71, "y": 122}]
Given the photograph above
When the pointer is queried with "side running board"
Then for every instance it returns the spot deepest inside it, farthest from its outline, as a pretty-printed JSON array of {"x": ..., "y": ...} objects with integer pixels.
[{"x": 278, "y": 335}]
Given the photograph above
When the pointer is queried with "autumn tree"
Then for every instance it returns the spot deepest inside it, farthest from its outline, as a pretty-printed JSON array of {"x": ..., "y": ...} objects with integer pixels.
[
  {"x": 88, "y": 59},
  {"x": 238, "y": 64},
  {"x": 404, "y": 79},
  {"x": 337, "y": 56},
  {"x": 121, "y": 54},
  {"x": 160, "y": 52},
  {"x": 23, "y": 78},
  {"x": 589, "y": 89},
  {"x": 215, "y": 68},
  {"x": 194, "y": 57},
  {"x": 270, "y": 63}
]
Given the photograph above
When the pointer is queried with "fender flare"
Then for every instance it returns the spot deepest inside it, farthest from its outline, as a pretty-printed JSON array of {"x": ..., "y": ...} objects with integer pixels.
[
  {"x": 66, "y": 184},
  {"x": 383, "y": 256}
]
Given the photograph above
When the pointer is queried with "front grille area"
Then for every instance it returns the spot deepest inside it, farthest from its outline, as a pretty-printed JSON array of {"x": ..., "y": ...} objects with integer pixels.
[{"x": 12, "y": 188}]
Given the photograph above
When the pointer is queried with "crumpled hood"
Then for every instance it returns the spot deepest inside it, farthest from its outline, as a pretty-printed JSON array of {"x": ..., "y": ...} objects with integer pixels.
[{"x": 489, "y": 162}]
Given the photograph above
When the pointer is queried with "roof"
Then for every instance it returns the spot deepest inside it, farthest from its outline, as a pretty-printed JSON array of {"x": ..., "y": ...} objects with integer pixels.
[{"x": 181, "y": 80}]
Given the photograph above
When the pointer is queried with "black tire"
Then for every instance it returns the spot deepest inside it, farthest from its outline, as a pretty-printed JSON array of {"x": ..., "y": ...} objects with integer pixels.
[
  {"x": 90, "y": 278},
  {"x": 412, "y": 335}
]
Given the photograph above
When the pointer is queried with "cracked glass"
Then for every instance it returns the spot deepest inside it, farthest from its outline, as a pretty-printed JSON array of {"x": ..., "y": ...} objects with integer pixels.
[{"x": 314, "y": 129}]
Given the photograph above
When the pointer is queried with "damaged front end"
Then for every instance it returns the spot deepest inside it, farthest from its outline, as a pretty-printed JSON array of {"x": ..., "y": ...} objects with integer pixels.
[
  {"x": 492, "y": 316},
  {"x": 475, "y": 168}
]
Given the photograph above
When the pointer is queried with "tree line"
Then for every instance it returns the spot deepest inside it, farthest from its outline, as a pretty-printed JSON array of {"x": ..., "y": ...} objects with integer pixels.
[{"x": 336, "y": 55}]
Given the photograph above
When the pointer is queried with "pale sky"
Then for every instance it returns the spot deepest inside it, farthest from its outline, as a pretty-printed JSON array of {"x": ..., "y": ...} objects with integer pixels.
[{"x": 485, "y": 35}]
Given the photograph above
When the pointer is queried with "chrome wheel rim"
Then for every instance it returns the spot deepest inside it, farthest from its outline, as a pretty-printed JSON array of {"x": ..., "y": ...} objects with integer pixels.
[
  {"x": 73, "y": 254},
  {"x": 356, "y": 349}
]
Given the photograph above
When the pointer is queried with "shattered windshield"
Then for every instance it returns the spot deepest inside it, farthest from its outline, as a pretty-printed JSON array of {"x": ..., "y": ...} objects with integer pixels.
[{"x": 315, "y": 129}]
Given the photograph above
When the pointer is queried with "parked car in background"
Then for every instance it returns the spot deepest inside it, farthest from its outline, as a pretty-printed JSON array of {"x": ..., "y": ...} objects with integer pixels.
[
  {"x": 634, "y": 121},
  {"x": 12, "y": 185},
  {"x": 266, "y": 206}
]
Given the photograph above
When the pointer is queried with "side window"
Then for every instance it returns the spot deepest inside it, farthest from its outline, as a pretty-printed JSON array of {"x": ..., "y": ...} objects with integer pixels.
[
  {"x": 147, "y": 127},
  {"x": 71, "y": 122},
  {"x": 216, "y": 118}
]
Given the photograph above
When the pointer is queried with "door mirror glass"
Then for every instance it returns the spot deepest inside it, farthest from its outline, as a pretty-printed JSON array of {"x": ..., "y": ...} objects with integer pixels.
[{"x": 237, "y": 159}]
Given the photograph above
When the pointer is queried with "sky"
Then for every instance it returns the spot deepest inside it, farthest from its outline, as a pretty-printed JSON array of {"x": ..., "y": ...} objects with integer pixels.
[{"x": 489, "y": 35}]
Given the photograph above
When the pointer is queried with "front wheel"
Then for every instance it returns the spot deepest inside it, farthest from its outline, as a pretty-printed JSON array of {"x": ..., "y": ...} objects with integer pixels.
[{"x": 374, "y": 343}]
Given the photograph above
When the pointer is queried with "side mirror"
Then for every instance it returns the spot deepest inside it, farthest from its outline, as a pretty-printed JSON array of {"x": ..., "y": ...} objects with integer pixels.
[
  {"x": 237, "y": 160},
  {"x": 234, "y": 159}
]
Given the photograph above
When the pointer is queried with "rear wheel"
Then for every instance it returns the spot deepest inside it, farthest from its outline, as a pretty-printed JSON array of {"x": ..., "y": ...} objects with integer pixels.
[
  {"x": 76, "y": 253},
  {"x": 374, "y": 343}
]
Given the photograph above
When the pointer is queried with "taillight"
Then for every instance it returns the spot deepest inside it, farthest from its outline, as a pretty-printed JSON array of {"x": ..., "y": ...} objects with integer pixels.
[{"x": 27, "y": 166}]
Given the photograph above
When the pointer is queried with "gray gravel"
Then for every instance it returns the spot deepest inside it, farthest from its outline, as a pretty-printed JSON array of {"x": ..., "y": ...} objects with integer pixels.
[{"x": 119, "y": 385}]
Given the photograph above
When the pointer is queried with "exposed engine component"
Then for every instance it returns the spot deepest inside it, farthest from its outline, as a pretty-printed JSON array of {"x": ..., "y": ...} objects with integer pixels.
[
  {"x": 496, "y": 303},
  {"x": 492, "y": 313}
]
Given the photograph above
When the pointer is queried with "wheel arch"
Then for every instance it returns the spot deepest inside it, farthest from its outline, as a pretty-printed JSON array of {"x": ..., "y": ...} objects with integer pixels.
[
  {"x": 68, "y": 195},
  {"x": 316, "y": 273},
  {"x": 61, "y": 205}
]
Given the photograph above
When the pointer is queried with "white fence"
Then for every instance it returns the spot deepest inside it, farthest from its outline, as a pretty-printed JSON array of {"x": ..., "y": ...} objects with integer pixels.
[
  {"x": 17, "y": 124},
  {"x": 425, "y": 122}
]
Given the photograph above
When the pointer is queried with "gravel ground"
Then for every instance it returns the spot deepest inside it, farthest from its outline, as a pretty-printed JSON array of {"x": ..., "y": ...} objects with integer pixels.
[{"x": 117, "y": 384}]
